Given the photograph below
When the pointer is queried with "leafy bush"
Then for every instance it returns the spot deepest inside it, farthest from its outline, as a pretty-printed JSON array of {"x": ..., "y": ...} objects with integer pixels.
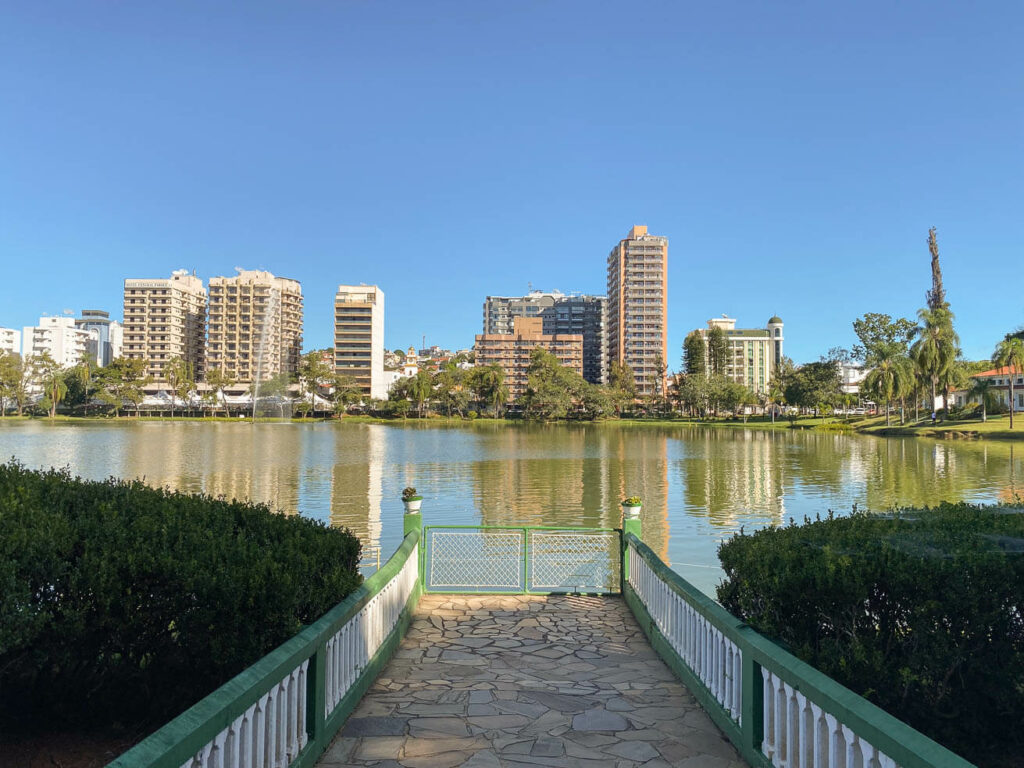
[
  {"x": 125, "y": 604},
  {"x": 917, "y": 611}
]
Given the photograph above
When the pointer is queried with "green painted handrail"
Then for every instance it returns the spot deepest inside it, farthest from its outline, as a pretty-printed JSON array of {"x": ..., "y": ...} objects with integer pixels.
[
  {"x": 180, "y": 739},
  {"x": 907, "y": 746}
]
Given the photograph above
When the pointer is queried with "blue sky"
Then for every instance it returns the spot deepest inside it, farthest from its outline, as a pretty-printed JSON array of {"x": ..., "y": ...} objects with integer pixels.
[{"x": 794, "y": 154}]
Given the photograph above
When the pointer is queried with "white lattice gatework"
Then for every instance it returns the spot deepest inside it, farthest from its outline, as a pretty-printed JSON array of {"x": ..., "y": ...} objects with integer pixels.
[
  {"x": 709, "y": 654},
  {"x": 574, "y": 561},
  {"x": 350, "y": 649},
  {"x": 476, "y": 559},
  {"x": 800, "y": 734},
  {"x": 271, "y": 732}
]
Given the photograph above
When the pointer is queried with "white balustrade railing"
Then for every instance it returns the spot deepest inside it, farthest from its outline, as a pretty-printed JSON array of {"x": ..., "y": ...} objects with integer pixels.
[
  {"x": 793, "y": 715},
  {"x": 350, "y": 649},
  {"x": 289, "y": 718},
  {"x": 800, "y": 734},
  {"x": 709, "y": 654},
  {"x": 271, "y": 732}
]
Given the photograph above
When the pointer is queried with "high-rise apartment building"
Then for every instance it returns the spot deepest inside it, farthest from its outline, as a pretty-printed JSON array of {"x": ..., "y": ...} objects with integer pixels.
[
  {"x": 58, "y": 337},
  {"x": 359, "y": 337},
  {"x": 10, "y": 341},
  {"x": 255, "y": 330},
  {"x": 561, "y": 314},
  {"x": 637, "y": 315},
  {"x": 752, "y": 354},
  {"x": 110, "y": 335},
  {"x": 512, "y": 351},
  {"x": 163, "y": 319}
]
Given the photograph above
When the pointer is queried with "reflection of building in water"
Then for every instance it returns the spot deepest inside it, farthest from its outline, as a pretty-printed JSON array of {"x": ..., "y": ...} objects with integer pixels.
[
  {"x": 247, "y": 462},
  {"x": 579, "y": 478},
  {"x": 357, "y": 482},
  {"x": 735, "y": 475}
]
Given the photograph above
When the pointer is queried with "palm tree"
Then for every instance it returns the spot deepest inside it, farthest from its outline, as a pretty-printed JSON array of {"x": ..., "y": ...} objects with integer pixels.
[
  {"x": 890, "y": 377},
  {"x": 50, "y": 376},
  {"x": 981, "y": 389},
  {"x": 1010, "y": 353},
  {"x": 421, "y": 386},
  {"x": 936, "y": 347}
]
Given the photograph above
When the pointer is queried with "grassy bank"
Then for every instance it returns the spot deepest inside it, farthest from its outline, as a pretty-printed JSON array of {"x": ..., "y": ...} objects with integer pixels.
[{"x": 996, "y": 428}]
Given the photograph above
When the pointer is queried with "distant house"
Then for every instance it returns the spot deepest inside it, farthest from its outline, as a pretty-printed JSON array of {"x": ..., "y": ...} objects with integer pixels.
[{"x": 1000, "y": 378}]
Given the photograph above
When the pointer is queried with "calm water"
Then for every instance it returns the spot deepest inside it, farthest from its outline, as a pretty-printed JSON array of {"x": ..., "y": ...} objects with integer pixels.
[{"x": 698, "y": 485}]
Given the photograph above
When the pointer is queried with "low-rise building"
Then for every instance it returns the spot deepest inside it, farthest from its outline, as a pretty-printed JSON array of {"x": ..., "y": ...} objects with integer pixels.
[
  {"x": 511, "y": 351},
  {"x": 1000, "y": 392}
]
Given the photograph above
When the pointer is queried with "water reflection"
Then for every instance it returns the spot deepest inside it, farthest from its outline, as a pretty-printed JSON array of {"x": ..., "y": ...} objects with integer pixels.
[{"x": 698, "y": 485}]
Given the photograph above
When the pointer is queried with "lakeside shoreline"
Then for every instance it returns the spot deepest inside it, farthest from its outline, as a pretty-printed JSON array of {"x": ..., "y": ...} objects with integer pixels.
[{"x": 996, "y": 428}]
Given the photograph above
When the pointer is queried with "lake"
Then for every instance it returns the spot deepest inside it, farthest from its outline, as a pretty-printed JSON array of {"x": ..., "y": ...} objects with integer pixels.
[{"x": 699, "y": 484}]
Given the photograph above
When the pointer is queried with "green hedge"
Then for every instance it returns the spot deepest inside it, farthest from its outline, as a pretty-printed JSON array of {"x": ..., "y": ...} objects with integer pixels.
[
  {"x": 124, "y": 604},
  {"x": 918, "y": 611}
]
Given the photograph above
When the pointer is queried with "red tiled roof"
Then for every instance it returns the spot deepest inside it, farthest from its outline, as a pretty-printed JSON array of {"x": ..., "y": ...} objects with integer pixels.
[{"x": 1006, "y": 370}]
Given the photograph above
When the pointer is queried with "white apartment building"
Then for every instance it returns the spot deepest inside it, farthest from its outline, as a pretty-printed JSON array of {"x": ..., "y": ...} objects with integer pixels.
[
  {"x": 66, "y": 343},
  {"x": 359, "y": 337},
  {"x": 255, "y": 327},
  {"x": 165, "y": 318},
  {"x": 10, "y": 341}
]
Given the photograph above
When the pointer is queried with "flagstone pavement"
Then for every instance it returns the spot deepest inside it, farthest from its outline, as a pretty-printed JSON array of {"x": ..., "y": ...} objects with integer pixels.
[{"x": 526, "y": 681}]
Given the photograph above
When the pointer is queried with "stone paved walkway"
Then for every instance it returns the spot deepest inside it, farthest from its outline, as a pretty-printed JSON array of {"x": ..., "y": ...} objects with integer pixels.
[{"x": 482, "y": 682}]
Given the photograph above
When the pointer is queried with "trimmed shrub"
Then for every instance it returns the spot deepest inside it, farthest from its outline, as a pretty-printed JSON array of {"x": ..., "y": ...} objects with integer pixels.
[
  {"x": 124, "y": 604},
  {"x": 919, "y": 611}
]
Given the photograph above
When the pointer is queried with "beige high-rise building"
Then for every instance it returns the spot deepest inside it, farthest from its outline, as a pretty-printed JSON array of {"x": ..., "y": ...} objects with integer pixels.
[
  {"x": 512, "y": 351},
  {"x": 637, "y": 322},
  {"x": 163, "y": 319},
  {"x": 255, "y": 326},
  {"x": 359, "y": 337}
]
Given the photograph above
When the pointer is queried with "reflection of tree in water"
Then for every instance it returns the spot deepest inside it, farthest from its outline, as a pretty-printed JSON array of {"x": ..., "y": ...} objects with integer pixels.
[
  {"x": 574, "y": 476},
  {"x": 917, "y": 471},
  {"x": 728, "y": 474}
]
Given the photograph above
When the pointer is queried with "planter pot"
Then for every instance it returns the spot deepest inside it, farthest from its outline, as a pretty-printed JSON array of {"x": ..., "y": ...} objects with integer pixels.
[
  {"x": 631, "y": 511},
  {"x": 412, "y": 507}
]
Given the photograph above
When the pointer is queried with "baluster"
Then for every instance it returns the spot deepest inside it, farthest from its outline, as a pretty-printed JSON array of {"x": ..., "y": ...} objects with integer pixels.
[
  {"x": 291, "y": 721},
  {"x": 215, "y": 758},
  {"x": 203, "y": 756},
  {"x": 884, "y": 761},
  {"x": 737, "y": 685},
  {"x": 245, "y": 739},
  {"x": 820, "y": 735},
  {"x": 849, "y": 737},
  {"x": 778, "y": 693},
  {"x": 804, "y": 743},
  {"x": 834, "y": 751},
  {"x": 259, "y": 732},
  {"x": 792, "y": 727},
  {"x": 231, "y": 743},
  {"x": 303, "y": 689},
  {"x": 768, "y": 715}
]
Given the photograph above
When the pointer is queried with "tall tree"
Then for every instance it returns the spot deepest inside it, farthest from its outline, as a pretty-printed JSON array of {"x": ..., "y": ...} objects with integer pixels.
[
  {"x": 695, "y": 355},
  {"x": 48, "y": 374},
  {"x": 622, "y": 381},
  {"x": 122, "y": 382},
  {"x": 936, "y": 297},
  {"x": 346, "y": 392},
  {"x": 718, "y": 351},
  {"x": 217, "y": 381},
  {"x": 181, "y": 378},
  {"x": 982, "y": 389},
  {"x": 11, "y": 381},
  {"x": 1010, "y": 353},
  {"x": 814, "y": 385},
  {"x": 876, "y": 331},
  {"x": 421, "y": 386},
  {"x": 316, "y": 375},
  {"x": 936, "y": 347}
]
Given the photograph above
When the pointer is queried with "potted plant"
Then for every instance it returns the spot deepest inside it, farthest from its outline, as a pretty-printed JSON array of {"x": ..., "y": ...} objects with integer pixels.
[
  {"x": 412, "y": 501},
  {"x": 631, "y": 506}
]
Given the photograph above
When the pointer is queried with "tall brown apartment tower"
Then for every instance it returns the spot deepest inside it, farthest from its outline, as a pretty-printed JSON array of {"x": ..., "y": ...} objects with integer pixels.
[
  {"x": 637, "y": 322},
  {"x": 255, "y": 326},
  {"x": 165, "y": 318}
]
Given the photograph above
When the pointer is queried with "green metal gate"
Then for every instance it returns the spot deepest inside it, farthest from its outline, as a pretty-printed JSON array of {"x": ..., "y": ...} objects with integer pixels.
[{"x": 508, "y": 560}]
